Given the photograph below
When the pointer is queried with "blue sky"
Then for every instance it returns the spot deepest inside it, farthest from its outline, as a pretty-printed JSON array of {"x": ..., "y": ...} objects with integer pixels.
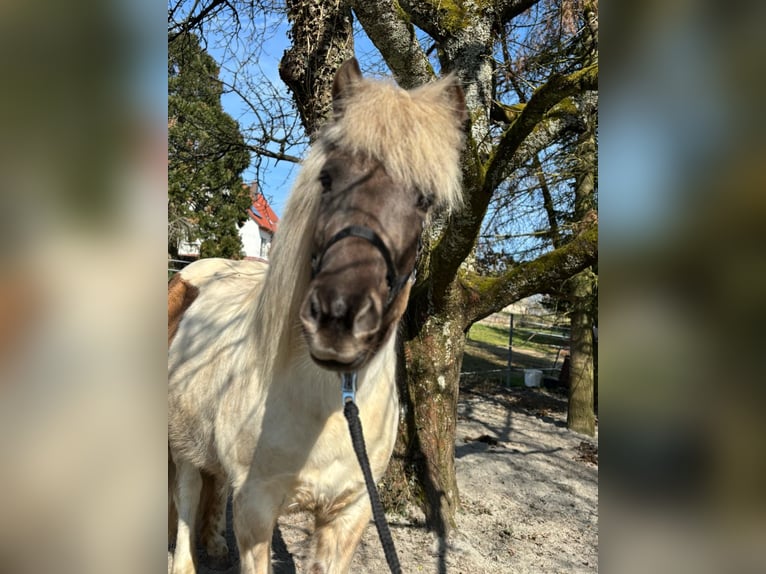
[{"x": 279, "y": 175}]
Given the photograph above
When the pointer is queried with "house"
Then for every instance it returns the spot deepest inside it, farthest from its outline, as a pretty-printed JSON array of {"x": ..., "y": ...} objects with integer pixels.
[
  {"x": 259, "y": 229},
  {"x": 256, "y": 233}
]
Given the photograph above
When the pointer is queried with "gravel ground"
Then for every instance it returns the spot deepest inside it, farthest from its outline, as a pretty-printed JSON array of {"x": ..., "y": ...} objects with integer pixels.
[{"x": 529, "y": 490}]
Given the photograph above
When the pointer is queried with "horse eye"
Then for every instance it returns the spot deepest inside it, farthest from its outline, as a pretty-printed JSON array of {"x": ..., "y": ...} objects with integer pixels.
[
  {"x": 424, "y": 201},
  {"x": 325, "y": 180}
]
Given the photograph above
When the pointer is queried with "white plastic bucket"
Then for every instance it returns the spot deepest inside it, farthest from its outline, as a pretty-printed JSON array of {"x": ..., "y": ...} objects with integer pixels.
[{"x": 533, "y": 377}]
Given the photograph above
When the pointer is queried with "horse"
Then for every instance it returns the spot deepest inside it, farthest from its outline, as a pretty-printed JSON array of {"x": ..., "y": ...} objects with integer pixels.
[{"x": 256, "y": 351}]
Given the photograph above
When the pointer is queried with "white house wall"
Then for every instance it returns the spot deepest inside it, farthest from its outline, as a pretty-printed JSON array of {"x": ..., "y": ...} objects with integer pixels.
[
  {"x": 265, "y": 243},
  {"x": 250, "y": 233},
  {"x": 256, "y": 242}
]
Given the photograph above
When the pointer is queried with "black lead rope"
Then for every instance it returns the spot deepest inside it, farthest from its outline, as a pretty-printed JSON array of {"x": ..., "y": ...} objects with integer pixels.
[{"x": 351, "y": 412}]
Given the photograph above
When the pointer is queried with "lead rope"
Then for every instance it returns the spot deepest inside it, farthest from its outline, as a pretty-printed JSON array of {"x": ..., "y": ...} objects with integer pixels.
[{"x": 351, "y": 412}]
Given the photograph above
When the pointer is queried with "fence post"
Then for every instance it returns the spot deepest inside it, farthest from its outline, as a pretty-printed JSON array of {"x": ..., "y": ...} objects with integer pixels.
[{"x": 510, "y": 350}]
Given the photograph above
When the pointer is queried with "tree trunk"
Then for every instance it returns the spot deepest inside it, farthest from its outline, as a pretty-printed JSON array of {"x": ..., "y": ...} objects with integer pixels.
[
  {"x": 434, "y": 356},
  {"x": 581, "y": 417},
  {"x": 321, "y": 35},
  {"x": 422, "y": 469}
]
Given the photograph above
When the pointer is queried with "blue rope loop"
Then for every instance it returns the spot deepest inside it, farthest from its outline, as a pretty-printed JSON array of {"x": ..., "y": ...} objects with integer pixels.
[
  {"x": 348, "y": 387},
  {"x": 351, "y": 412}
]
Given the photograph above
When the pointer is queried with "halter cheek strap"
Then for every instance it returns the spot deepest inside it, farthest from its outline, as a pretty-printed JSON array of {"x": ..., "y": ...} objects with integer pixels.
[{"x": 395, "y": 284}]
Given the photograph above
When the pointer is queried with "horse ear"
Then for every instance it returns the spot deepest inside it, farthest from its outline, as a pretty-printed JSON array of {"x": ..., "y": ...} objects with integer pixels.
[{"x": 346, "y": 78}]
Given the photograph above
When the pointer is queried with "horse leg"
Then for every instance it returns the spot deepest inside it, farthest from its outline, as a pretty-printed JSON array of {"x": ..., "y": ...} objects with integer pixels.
[
  {"x": 336, "y": 537},
  {"x": 172, "y": 514},
  {"x": 187, "y": 493},
  {"x": 215, "y": 493},
  {"x": 255, "y": 514}
]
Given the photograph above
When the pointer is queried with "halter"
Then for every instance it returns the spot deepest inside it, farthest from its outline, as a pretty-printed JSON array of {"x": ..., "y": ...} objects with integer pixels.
[{"x": 395, "y": 284}]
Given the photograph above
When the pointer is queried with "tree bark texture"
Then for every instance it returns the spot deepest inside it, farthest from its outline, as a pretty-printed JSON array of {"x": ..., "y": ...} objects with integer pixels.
[
  {"x": 321, "y": 37},
  {"x": 434, "y": 355},
  {"x": 393, "y": 34},
  {"x": 580, "y": 415}
]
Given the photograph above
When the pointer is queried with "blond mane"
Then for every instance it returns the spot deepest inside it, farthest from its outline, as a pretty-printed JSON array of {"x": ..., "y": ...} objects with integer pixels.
[{"x": 417, "y": 135}]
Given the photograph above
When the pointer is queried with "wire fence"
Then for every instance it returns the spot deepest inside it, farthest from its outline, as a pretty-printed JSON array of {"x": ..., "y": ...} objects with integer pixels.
[
  {"x": 507, "y": 346},
  {"x": 175, "y": 265}
]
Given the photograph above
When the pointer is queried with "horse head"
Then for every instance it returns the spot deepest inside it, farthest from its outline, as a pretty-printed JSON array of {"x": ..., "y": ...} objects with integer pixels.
[{"x": 371, "y": 212}]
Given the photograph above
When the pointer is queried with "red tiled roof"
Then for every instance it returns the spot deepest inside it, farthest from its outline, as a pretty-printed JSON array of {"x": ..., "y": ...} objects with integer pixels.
[{"x": 260, "y": 211}]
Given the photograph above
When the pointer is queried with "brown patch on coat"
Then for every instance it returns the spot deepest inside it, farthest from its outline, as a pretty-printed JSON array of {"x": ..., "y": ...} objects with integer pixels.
[
  {"x": 21, "y": 302},
  {"x": 181, "y": 294}
]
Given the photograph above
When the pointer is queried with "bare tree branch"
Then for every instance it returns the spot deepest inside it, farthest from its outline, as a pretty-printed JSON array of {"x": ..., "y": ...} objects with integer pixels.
[
  {"x": 547, "y": 96},
  {"x": 389, "y": 28},
  {"x": 273, "y": 155},
  {"x": 194, "y": 20}
]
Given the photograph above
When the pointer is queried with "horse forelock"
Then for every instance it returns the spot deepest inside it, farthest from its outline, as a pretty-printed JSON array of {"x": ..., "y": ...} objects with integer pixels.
[{"x": 417, "y": 135}]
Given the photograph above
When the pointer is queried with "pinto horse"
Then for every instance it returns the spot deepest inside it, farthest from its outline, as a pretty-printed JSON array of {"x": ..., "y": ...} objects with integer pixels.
[{"x": 255, "y": 350}]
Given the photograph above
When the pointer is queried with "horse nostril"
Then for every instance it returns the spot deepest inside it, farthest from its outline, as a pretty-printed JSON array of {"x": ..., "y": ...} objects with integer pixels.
[
  {"x": 367, "y": 319},
  {"x": 314, "y": 306},
  {"x": 310, "y": 312},
  {"x": 332, "y": 311}
]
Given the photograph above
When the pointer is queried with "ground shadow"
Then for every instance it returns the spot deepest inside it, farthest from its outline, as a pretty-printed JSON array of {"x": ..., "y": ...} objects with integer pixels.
[{"x": 282, "y": 561}]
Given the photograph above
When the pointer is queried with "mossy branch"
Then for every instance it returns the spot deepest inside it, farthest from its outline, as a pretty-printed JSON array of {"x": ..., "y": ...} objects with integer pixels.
[
  {"x": 544, "y": 98},
  {"x": 541, "y": 126},
  {"x": 487, "y": 295},
  {"x": 439, "y": 18}
]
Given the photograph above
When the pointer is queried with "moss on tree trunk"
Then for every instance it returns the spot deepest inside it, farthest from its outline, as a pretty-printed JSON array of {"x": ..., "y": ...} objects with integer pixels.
[
  {"x": 432, "y": 379},
  {"x": 581, "y": 416},
  {"x": 423, "y": 467}
]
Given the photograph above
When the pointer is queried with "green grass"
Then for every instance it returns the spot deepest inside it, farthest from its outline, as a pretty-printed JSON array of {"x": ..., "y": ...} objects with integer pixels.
[
  {"x": 497, "y": 335},
  {"x": 486, "y": 351},
  {"x": 489, "y": 334}
]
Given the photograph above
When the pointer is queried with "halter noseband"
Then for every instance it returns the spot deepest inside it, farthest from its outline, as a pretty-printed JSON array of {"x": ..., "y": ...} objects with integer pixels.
[{"x": 395, "y": 284}]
